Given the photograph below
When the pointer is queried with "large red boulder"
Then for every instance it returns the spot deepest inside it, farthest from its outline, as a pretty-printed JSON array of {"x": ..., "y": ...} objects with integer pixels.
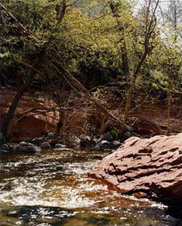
[{"x": 153, "y": 166}]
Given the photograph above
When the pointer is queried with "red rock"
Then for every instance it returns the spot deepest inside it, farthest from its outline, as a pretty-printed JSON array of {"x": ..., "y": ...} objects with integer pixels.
[
  {"x": 149, "y": 165},
  {"x": 33, "y": 125}
]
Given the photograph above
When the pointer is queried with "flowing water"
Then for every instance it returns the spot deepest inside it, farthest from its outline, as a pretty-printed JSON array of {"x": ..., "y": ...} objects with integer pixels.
[{"x": 53, "y": 188}]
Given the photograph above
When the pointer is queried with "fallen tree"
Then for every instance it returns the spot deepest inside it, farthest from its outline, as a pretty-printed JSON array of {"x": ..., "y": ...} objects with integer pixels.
[
  {"x": 61, "y": 69},
  {"x": 72, "y": 81}
]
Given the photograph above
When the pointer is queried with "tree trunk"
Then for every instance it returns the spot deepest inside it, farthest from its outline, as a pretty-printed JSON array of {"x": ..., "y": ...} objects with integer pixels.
[
  {"x": 73, "y": 82},
  {"x": 61, "y": 10},
  {"x": 13, "y": 107},
  {"x": 169, "y": 98},
  {"x": 121, "y": 29},
  {"x": 126, "y": 71}
]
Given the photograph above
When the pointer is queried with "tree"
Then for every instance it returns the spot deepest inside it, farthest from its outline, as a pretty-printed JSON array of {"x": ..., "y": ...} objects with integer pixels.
[
  {"x": 47, "y": 52},
  {"x": 10, "y": 45},
  {"x": 65, "y": 42},
  {"x": 148, "y": 45},
  {"x": 168, "y": 63}
]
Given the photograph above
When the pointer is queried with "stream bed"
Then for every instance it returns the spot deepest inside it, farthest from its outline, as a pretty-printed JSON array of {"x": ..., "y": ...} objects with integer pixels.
[{"x": 53, "y": 188}]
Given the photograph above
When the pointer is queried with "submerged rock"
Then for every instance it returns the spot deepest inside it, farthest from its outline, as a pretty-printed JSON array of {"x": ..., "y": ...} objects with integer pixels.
[{"x": 152, "y": 166}]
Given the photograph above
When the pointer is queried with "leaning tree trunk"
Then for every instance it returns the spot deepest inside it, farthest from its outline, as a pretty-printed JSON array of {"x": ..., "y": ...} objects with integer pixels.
[
  {"x": 73, "y": 82},
  {"x": 62, "y": 71},
  {"x": 13, "y": 107}
]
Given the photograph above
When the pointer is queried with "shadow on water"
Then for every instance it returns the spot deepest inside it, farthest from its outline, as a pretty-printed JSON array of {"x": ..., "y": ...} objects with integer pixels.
[
  {"x": 41, "y": 215},
  {"x": 53, "y": 189},
  {"x": 175, "y": 211}
]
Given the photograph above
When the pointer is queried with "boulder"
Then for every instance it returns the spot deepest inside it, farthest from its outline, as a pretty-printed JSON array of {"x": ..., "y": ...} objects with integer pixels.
[
  {"x": 3, "y": 151},
  {"x": 60, "y": 145},
  {"x": 7, "y": 147},
  {"x": 26, "y": 148},
  {"x": 152, "y": 166},
  {"x": 104, "y": 145},
  {"x": 4, "y": 147},
  {"x": 45, "y": 145},
  {"x": 107, "y": 136},
  {"x": 38, "y": 140},
  {"x": 70, "y": 140},
  {"x": 116, "y": 144},
  {"x": 24, "y": 143},
  {"x": 51, "y": 135},
  {"x": 52, "y": 142},
  {"x": 86, "y": 142}
]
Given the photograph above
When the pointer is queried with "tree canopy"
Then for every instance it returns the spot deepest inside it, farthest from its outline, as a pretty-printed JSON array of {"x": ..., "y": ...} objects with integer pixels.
[{"x": 96, "y": 41}]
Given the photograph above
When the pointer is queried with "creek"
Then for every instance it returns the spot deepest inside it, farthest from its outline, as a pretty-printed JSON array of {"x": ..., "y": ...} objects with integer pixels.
[{"x": 53, "y": 188}]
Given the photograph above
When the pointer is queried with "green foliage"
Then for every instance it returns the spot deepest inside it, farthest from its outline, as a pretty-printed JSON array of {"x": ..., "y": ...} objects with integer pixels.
[
  {"x": 115, "y": 133},
  {"x": 88, "y": 40}
]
